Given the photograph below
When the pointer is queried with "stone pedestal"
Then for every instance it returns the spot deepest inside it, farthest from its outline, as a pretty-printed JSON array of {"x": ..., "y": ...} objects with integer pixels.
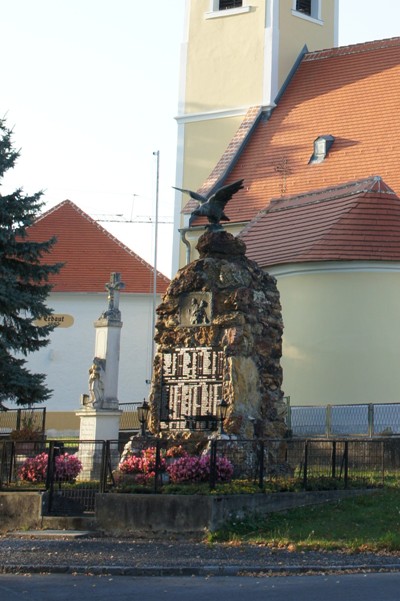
[
  {"x": 97, "y": 426},
  {"x": 100, "y": 416},
  {"x": 219, "y": 337}
]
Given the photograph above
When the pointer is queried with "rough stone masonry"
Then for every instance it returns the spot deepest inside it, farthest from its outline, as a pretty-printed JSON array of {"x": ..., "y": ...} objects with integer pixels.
[{"x": 224, "y": 301}]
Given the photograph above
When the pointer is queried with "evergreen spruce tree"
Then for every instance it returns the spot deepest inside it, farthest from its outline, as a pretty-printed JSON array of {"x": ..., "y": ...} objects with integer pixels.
[{"x": 24, "y": 287}]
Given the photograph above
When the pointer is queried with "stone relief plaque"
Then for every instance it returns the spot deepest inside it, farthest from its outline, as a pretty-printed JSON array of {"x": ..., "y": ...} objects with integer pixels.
[
  {"x": 195, "y": 309},
  {"x": 191, "y": 384}
]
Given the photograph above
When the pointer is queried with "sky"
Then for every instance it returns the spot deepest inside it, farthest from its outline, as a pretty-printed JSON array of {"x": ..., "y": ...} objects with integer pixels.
[{"x": 90, "y": 89}]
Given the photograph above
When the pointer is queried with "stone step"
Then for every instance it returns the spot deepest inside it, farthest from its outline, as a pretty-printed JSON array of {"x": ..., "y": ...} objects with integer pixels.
[{"x": 69, "y": 523}]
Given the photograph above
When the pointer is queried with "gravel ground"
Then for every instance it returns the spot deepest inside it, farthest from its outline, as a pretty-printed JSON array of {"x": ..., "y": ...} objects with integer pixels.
[{"x": 172, "y": 557}]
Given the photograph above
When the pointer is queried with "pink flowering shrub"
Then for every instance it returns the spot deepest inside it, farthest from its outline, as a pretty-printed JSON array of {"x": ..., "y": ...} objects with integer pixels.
[
  {"x": 131, "y": 465},
  {"x": 67, "y": 467},
  {"x": 34, "y": 469},
  {"x": 176, "y": 451},
  {"x": 143, "y": 466},
  {"x": 197, "y": 469}
]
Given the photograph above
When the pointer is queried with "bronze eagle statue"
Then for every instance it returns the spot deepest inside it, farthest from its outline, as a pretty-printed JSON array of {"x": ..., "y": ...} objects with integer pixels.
[{"x": 213, "y": 206}]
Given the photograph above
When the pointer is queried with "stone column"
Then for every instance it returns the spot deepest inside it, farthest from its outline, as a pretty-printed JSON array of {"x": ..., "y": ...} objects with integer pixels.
[{"x": 99, "y": 415}]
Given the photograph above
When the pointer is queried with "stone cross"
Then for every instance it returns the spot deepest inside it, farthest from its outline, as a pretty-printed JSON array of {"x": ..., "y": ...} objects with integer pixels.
[{"x": 113, "y": 287}]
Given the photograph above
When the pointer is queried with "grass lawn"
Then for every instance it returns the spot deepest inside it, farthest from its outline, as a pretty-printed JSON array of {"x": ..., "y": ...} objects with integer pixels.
[{"x": 369, "y": 522}]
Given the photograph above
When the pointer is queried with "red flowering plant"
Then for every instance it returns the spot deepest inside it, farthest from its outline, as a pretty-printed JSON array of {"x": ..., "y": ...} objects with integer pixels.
[
  {"x": 175, "y": 452},
  {"x": 197, "y": 469},
  {"x": 34, "y": 469},
  {"x": 131, "y": 465},
  {"x": 143, "y": 466},
  {"x": 67, "y": 467}
]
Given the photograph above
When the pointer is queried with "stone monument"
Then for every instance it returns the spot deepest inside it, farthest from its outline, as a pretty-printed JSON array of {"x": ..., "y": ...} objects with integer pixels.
[
  {"x": 99, "y": 414},
  {"x": 219, "y": 336}
]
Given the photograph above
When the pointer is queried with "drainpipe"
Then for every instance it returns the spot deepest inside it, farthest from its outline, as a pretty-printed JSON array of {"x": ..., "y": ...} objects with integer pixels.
[{"x": 186, "y": 243}]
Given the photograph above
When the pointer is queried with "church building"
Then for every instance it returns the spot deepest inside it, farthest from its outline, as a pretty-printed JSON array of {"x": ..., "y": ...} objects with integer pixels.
[{"x": 314, "y": 141}]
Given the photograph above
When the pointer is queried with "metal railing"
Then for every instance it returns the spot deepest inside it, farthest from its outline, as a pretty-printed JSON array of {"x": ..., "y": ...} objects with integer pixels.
[
  {"x": 129, "y": 421},
  {"x": 155, "y": 465},
  {"x": 368, "y": 419},
  {"x": 22, "y": 418}
]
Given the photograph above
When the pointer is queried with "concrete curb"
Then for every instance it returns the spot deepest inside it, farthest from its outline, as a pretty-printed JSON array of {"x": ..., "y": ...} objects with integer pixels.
[{"x": 194, "y": 571}]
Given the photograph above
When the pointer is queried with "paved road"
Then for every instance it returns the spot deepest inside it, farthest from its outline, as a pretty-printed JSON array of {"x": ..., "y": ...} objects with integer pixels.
[{"x": 66, "y": 587}]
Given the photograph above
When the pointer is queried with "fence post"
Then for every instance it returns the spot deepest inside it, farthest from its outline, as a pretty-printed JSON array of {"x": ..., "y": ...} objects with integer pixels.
[
  {"x": 157, "y": 469},
  {"x": 3, "y": 462},
  {"x": 305, "y": 464},
  {"x": 333, "y": 459},
  {"x": 44, "y": 423},
  {"x": 18, "y": 424},
  {"x": 383, "y": 461},
  {"x": 12, "y": 462},
  {"x": 50, "y": 475},
  {"x": 105, "y": 450},
  {"x": 288, "y": 413},
  {"x": 346, "y": 463},
  {"x": 370, "y": 420},
  {"x": 328, "y": 421},
  {"x": 213, "y": 464},
  {"x": 261, "y": 462}
]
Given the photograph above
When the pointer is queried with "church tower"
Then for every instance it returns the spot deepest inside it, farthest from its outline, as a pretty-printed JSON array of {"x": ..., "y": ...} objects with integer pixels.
[{"x": 237, "y": 54}]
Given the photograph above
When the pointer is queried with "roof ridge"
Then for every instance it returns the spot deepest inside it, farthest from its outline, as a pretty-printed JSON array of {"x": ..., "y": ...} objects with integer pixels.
[
  {"x": 343, "y": 215},
  {"x": 371, "y": 184},
  {"x": 352, "y": 188},
  {"x": 352, "y": 49},
  {"x": 103, "y": 231}
]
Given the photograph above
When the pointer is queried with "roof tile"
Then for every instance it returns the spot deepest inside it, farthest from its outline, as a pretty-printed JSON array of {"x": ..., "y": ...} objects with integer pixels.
[
  {"x": 351, "y": 93},
  {"x": 90, "y": 254},
  {"x": 355, "y": 221}
]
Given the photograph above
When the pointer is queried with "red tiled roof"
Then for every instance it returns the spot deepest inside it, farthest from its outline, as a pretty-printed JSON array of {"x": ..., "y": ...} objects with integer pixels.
[
  {"x": 351, "y": 93},
  {"x": 90, "y": 253},
  {"x": 355, "y": 221}
]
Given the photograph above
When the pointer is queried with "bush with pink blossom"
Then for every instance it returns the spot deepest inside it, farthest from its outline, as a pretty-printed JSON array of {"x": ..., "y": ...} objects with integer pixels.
[
  {"x": 143, "y": 466},
  {"x": 175, "y": 452},
  {"x": 34, "y": 469},
  {"x": 131, "y": 465},
  {"x": 67, "y": 467},
  {"x": 197, "y": 469}
]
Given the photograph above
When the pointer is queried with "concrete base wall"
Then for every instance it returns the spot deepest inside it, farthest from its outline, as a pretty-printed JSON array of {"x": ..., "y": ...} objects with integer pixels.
[
  {"x": 154, "y": 514},
  {"x": 20, "y": 511},
  {"x": 149, "y": 515}
]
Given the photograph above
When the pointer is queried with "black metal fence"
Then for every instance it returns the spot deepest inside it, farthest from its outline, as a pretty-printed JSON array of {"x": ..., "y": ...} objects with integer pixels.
[
  {"x": 129, "y": 421},
  {"x": 19, "y": 420},
  {"x": 70, "y": 473}
]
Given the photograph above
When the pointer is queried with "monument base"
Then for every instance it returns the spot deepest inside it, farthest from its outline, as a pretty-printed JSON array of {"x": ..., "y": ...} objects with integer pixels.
[{"x": 97, "y": 425}]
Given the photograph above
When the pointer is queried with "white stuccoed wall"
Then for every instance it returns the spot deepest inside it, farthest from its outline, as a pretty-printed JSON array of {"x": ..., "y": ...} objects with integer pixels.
[{"x": 67, "y": 358}]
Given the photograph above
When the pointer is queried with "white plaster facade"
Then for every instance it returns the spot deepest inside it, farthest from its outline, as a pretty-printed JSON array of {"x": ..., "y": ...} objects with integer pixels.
[{"x": 67, "y": 358}]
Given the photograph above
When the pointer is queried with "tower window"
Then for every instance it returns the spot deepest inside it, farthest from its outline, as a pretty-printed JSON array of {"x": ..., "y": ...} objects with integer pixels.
[
  {"x": 308, "y": 9},
  {"x": 304, "y": 6},
  {"x": 225, "y": 4}
]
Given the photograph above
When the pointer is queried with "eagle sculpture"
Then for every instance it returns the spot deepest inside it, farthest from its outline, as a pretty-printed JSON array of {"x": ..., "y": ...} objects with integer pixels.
[{"x": 213, "y": 206}]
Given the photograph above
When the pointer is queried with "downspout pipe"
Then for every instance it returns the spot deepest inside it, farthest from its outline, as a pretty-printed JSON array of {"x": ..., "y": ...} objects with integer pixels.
[{"x": 186, "y": 243}]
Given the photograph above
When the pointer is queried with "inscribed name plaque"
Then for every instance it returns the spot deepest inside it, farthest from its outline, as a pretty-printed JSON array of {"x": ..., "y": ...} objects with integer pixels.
[{"x": 191, "y": 384}]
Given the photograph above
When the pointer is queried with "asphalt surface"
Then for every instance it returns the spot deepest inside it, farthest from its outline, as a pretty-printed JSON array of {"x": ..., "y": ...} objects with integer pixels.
[{"x": 65, "y": 552}]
